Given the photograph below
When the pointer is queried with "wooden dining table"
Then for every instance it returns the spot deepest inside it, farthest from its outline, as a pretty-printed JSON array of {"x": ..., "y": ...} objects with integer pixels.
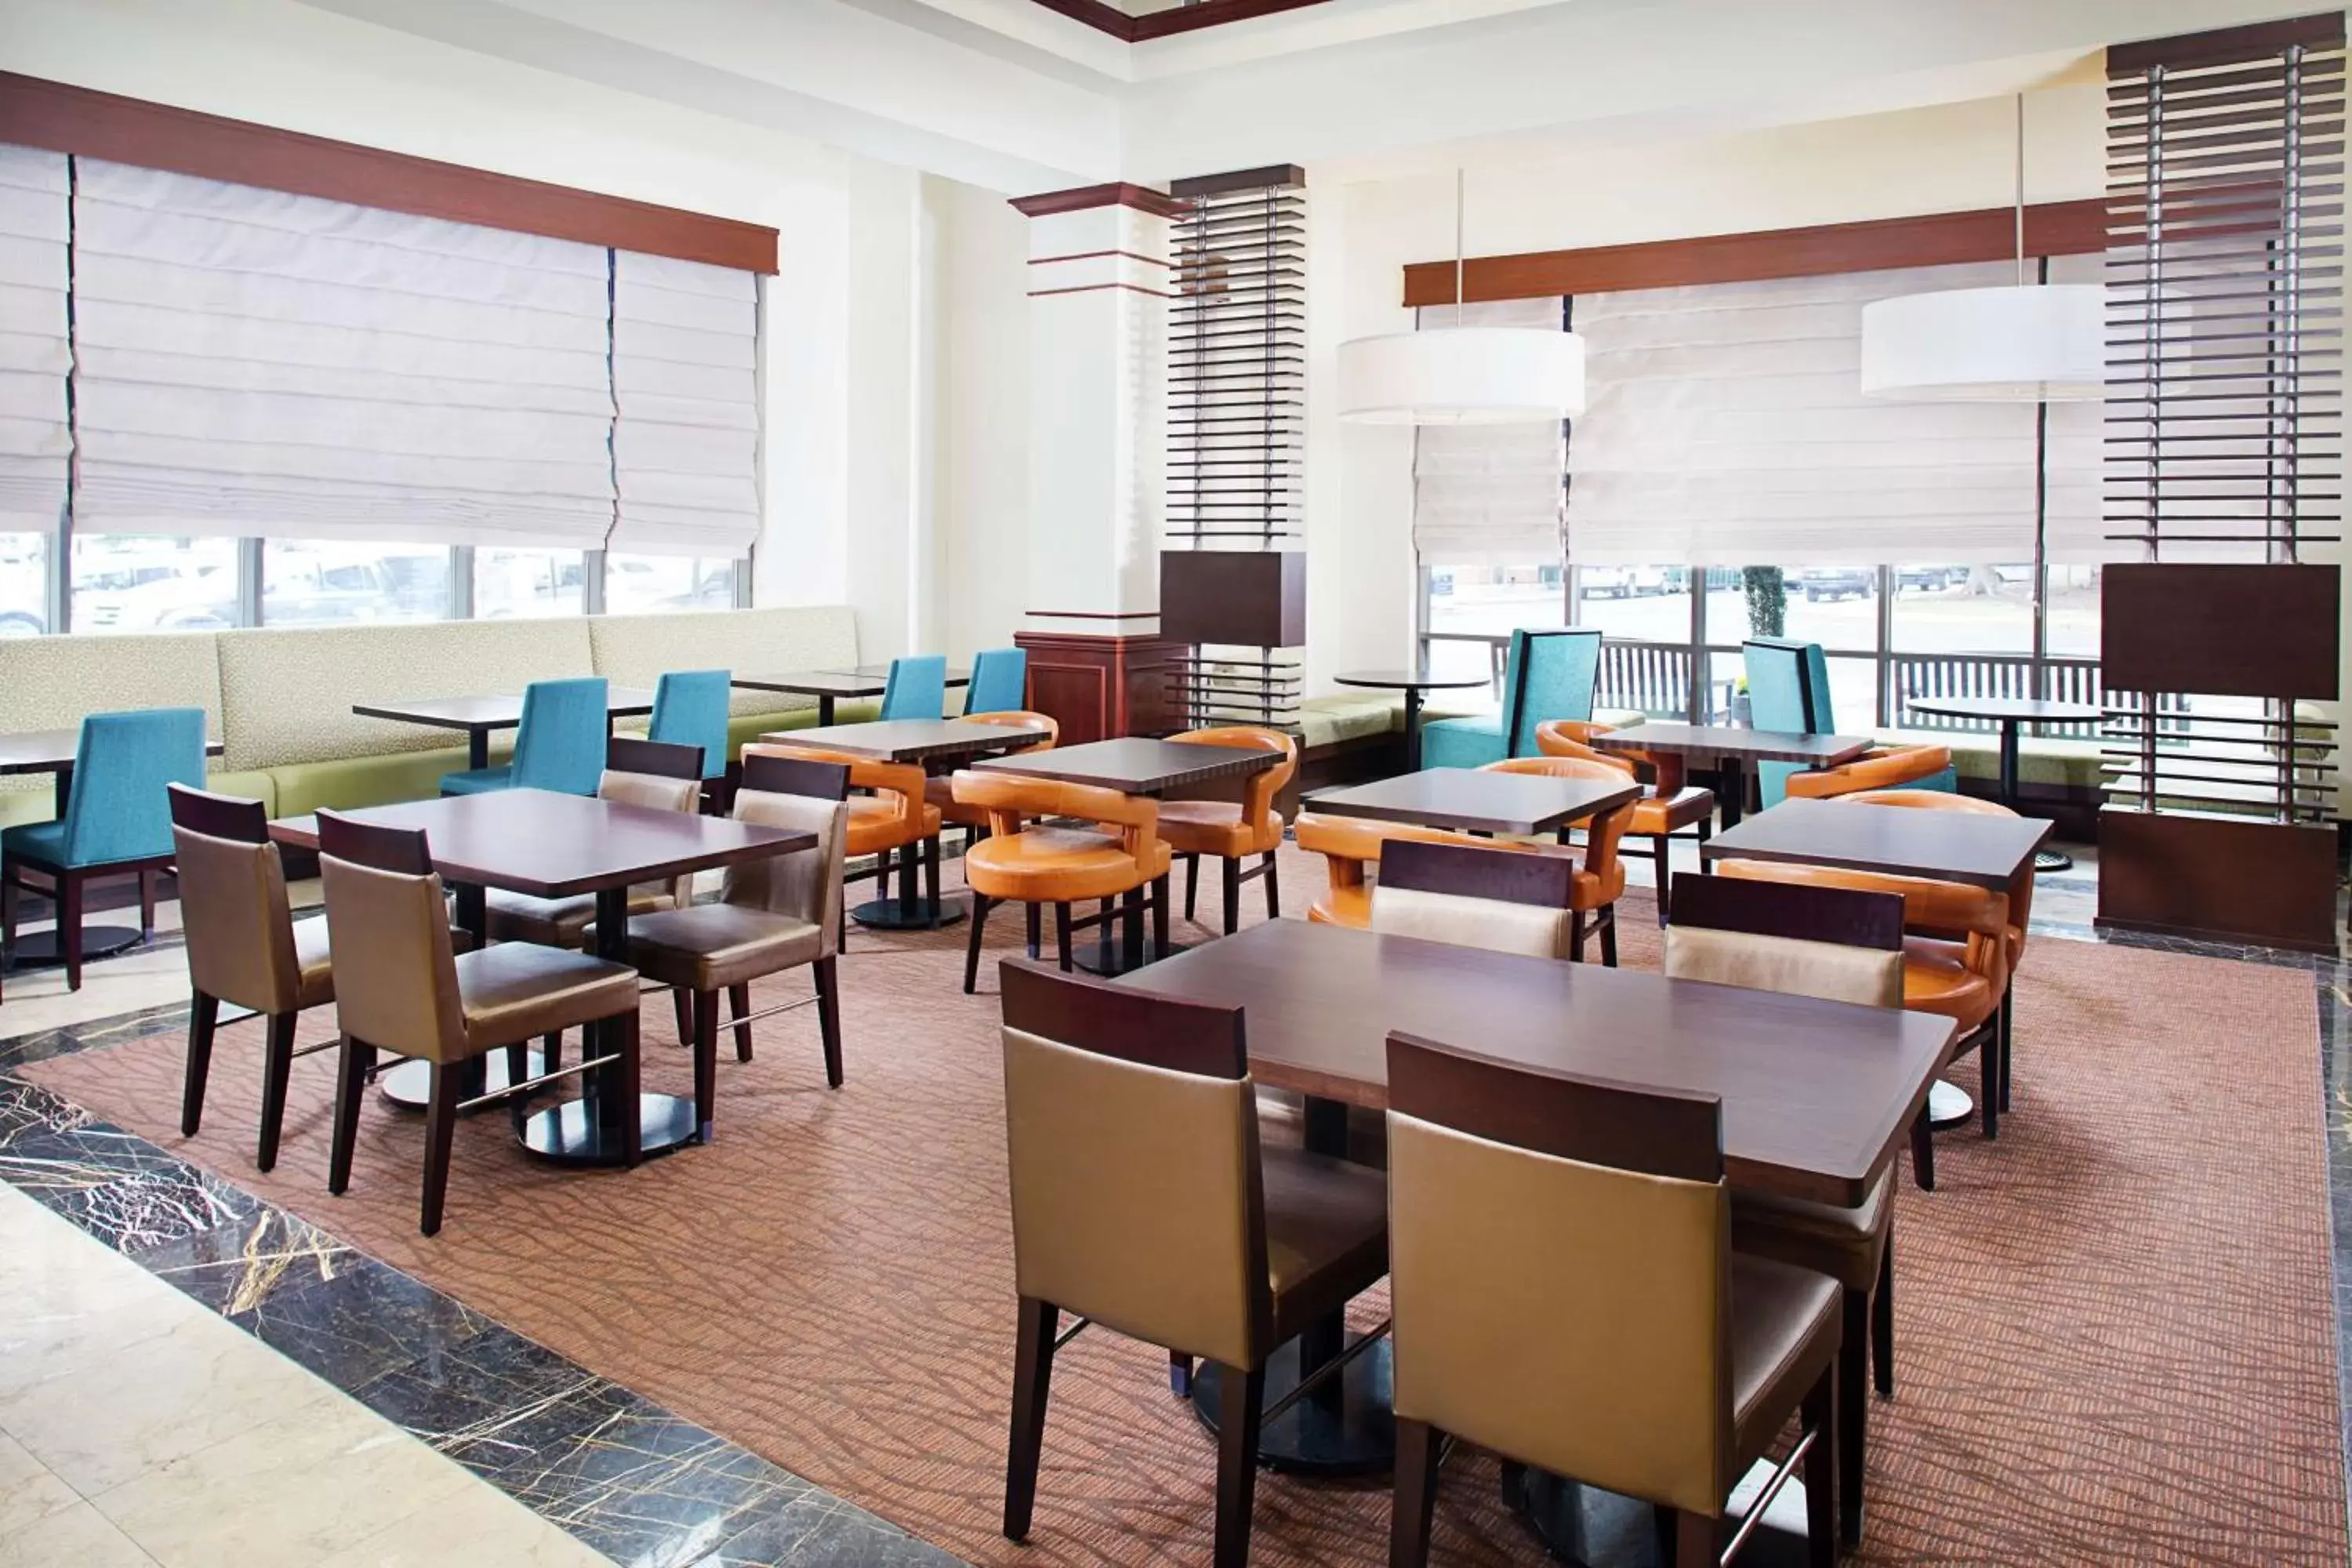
[
  {"x": 830, "y": 685},
  {"x": 481, "y": 717},
  {"x": 1472, "y": 800},
  {"x": 1729, "y": 751},
  {"x": 551, "y": 846},
  {"x": 1818, "y": 1097}
]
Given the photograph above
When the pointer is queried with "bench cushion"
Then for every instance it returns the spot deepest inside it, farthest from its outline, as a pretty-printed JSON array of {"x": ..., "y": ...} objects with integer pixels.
[
  {"x": 54, "y": 682},
  {"x": 2048, "y": 760}
]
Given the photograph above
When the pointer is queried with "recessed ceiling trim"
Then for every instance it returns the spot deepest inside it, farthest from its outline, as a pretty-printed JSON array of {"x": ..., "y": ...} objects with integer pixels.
[{"x": 1110, "y": 19}]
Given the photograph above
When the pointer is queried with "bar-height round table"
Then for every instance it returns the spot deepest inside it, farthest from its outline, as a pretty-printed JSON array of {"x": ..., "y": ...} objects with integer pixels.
[
  {"x": 1133, "y": 765},
  {"x": 2013, "y": 714},
  {"x": 478, "y": 717},
  {"x": 1412, "y": 683},
  {"x": 1471, "y": 800},
  {"x": 1818, "y": 1097},
  {"x": 922, "y": 741},
  {"x": 552, "y": 846},
  {"x": 1731, "y": 751},
  {"x": 830, "y": 685},
  {"x": 55, "y": 752}
]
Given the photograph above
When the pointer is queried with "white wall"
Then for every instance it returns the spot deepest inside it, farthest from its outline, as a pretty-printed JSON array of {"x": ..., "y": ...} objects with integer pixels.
[{"x": 843, "y": 482}]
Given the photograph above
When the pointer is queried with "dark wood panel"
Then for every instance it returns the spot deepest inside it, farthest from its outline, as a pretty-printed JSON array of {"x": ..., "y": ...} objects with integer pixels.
[
  {"x": 1251, "y": 598},
  {"x": 2221, "y": 877},
  {"x": 1273, "y": 175},
  {"x": 1679, "y": 1136},
  {"x": 2223, "y": 631},
  {"x": 65, "y": 118},
  {"x": 1100, "y": 684},
  {"x": 2222, "y": 45},
  {"x": 2051, "y": 229},
  {"x": 1472, "y": 871},
  {"x": 1847, "y": 916},
  {"x": 1085, "y": 198}
]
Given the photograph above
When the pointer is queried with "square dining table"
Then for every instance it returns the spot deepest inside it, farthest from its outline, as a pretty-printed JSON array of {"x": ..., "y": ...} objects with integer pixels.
[
  {"x": 1472, "y": 800},
  {"x": 478, "y": 717},
  {"x": 551, "y": 846},
  {"x": 1818, "y": 1097},
  {"x": 1730, "y": 751},
  {"x": 830, "y": 685}
]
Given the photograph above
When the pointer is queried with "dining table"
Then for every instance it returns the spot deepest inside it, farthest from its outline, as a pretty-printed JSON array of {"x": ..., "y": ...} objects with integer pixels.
[
  {"x": 1818, "y": 1097},
  {"x": 1412, "y": 683},
  {"x": 1729, "y": 751},
  {"x": 552, "y": 846},
  {"x": 2013, "y": 714},
  {"x": 56, "y": 753},
  {"x": 929, "y": 744},
  {"x": 830, "y": 685},
  {"x": 1473, "y": 800},
  {"x": 1140, "y": 766},
  {"x": 481, "y": 717}
]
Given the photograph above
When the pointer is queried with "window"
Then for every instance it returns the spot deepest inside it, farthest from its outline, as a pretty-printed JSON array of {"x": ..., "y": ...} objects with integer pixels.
[
  {"x": 24, "y": 584},
  {"x": 308, "y": 583},
  {"x": 2070, "y": 612},
  {"x": 1836, "y": 606},
  {"x": 1640, "y": 604},
  {"x": 1486, "y": 602},
  {"x": 509, "y": 582},
  {"x": 153, "y": 583},
  {"x": 636, "y": 582}
]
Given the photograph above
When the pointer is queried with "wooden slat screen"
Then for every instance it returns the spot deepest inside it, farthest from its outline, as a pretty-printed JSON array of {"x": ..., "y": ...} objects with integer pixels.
[{"x": 2224, "y": 275}]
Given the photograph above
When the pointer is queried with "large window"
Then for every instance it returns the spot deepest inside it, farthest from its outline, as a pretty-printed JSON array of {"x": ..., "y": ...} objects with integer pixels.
[
  {"x": 24, "y": 584},
  {"x": 152, "y": 582},
  {"x": 324, "y": 584},
  {"x": 510, "y": 583},
  {"x": 1470, "y": 612},
  {"x": 634, "y": 583}
]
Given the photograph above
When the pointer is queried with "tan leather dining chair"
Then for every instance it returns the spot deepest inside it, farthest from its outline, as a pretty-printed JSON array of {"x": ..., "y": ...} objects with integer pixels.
[
  {"x": 1633, "y": 1350},
  {"x": 1351, "y": 845},
  {"x": 1477, "y": 895},
  {"x": 1601, "y": 881},
  {"x": 1119, "y": 857},
  {"x": 939, "y": 790},
  {"x": 401, "y": 987},
  {"x": 772, "y": 915},
  {"x": 245, "y": 946},
  {"x": 1667, "y": 806},
  {"x": 1231, "y": 832},
  {"x": 1143, "y": 1204},
  {"x": 1842, "y": 946}
]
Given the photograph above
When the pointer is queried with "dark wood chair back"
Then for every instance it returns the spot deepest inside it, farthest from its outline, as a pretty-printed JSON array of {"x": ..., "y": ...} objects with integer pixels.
[
  {"x": 765, "y": 774},
  {"x": 1511, "y": 876},
  {"x": 1847, "y": 916},
  {"x": 401, "y": 850},
  {"x": 1093, "y": 1014},
  {"x": 219, "y": 815},
  {"x": 1658, "y": 1133},
  {"x": 661, "y": 759}
]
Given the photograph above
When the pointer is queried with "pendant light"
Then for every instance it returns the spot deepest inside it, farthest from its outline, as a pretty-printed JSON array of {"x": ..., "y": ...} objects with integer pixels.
[
  {"x": 2025, "y": 342},
  {"x": 1459, "y": 374}
]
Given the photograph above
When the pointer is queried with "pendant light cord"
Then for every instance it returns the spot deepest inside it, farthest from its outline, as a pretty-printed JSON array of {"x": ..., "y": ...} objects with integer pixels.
[
  {"x": 2021, "y": 190},
  {"x": 1457, "y": 245}
]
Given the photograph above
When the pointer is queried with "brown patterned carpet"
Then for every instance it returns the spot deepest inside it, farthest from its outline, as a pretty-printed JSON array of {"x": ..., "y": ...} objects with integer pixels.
[{"x": 2115, "y": 1338}]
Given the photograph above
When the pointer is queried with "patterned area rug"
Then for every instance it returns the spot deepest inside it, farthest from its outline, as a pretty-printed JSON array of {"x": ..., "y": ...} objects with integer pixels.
[{"x": 2114, "y": 1329}]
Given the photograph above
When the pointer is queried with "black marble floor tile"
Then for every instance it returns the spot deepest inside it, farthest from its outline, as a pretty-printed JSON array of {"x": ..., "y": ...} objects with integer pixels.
[
  {"x": 65, "y": 1039},
  {"x": 494, "y": 1402},
  {"x": 362, "y": 1319},
  {"x": 820, "y": 1531},
  {"x": 114, "y": 1185},
  {"x": 233, "y": 1268}
]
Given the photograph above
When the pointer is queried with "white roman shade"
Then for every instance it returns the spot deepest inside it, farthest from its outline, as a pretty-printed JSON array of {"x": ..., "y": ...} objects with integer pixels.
[
  {"x": 685, "y": 373},
  {"x": 1488, "y": 494},
  {"x": 35, "y": 353},
  {"x": 1727, "y": 426},
  {"x": 253, "y": 362}
]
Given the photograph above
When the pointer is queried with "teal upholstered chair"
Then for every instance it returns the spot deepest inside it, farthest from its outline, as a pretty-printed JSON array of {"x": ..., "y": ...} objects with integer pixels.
[
  {"x": 690, "y": 709},
  {"x": 1789, "y": 691},
  {"x": 560, "y": 744},
  {"x": 917, "y": 688},
  {"x": 1549, "y": 675},
  {"x": 117, "y": 820},
  {"x": 1000, "y": 681}
]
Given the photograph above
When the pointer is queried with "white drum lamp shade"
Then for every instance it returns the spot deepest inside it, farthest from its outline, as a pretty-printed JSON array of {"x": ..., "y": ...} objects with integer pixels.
[
  {"x": 2024, "y": 343},
  {"x": 1461, "y": 375}
]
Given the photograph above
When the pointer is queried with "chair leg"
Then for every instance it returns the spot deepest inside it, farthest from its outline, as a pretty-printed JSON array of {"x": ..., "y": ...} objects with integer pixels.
[
  {"x": 1036, "y": 914},
  {"x": 1658, "y": 863},
  {"x": 1989, "y": 1093},
  {"x": 440, "y": 1129},
  {"x": 1232, "y": 869},
  {"x": 971, "y": 954},
  {"x": 7, "y": 911},
  {"x": 353, "y": 1065},
  {"x": 1192, "y": 886},
  {"x": 682, "y": 1002},
  {"x": 1273, "y": 889},
  {"x": 276, "y": 1065},
  {"x": 203, "y": 1017},
  {"x": 551, "y": 1048},
  {"x": 1882, "y": 1321},
  {"x": 1417, "y": 1447},
  {"x": 1822, "y": 1470},
  {"x": 739, "y": 1003},
  {"x": 1693, "y": 1539},
  {"x": 1241, "y": 1399},
  {"x": 1180, "y": 1374},
  {"x": 1853, "y": 1414},
  {"x": 1062, "y": 936},
  {"x": 69, "y": 885},
  {"x": 1608, "y": 921},
  {"x": 706, "y": 1061},
  {"x": 2008, "y": 1043},
  {"x": 147, "y": 908},
  {"x": 1160, "y": 918},
  {"x": 828, "y": 1017},
  {"x": 1032, "y": 1377},
  {"x": 931, "y": 876},
  {"x": 1576, "y": 936},
  {"x": 1923, "y": 1154}
]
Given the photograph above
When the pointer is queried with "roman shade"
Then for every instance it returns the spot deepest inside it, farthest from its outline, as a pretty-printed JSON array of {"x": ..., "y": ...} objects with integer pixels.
[
  {"x": 687, "y": 428},
  {"x": 256, "y": 362},
  {"x": 1489, "y": 494},
  {"x": 35, "y": 353},
  {"x": 1727, "y": 426}
]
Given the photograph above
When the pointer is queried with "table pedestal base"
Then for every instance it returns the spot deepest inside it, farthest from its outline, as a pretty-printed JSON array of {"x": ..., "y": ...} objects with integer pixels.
[
  {"x": 1948, "y": 1105},
  {"x": 1585, "y": 1525},
  {"x": 569, "y": 1134},
  {"x": 897, "y": 914},
  {"x": 409, "y": 1085},
  {"x": 42, "y": 947},
  {"x": 2050, "y": 861},
  {"x": 1346, "y": 1427}
]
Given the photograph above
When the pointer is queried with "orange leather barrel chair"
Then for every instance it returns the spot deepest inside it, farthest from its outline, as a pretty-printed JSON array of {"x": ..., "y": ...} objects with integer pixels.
[
  {"x": 1888, "y": 767},
  {"x": 1958, "y": 967},
  {"x": 894, "y": 818},
  {"x": 1037, "y": 865},
  {"x": 1670, "y": 805},
  {"x": 1350, "y": 844},
  {"x": 1232, "y": 832},
  {"x": 1602, "y": 879},
  {"x": 2020, "y": 896},
  {"x": 938, "y": 793}
]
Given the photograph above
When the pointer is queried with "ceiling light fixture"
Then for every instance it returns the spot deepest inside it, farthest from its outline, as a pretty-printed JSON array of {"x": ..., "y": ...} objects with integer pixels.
[{"x": 1461, "y": 375}]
